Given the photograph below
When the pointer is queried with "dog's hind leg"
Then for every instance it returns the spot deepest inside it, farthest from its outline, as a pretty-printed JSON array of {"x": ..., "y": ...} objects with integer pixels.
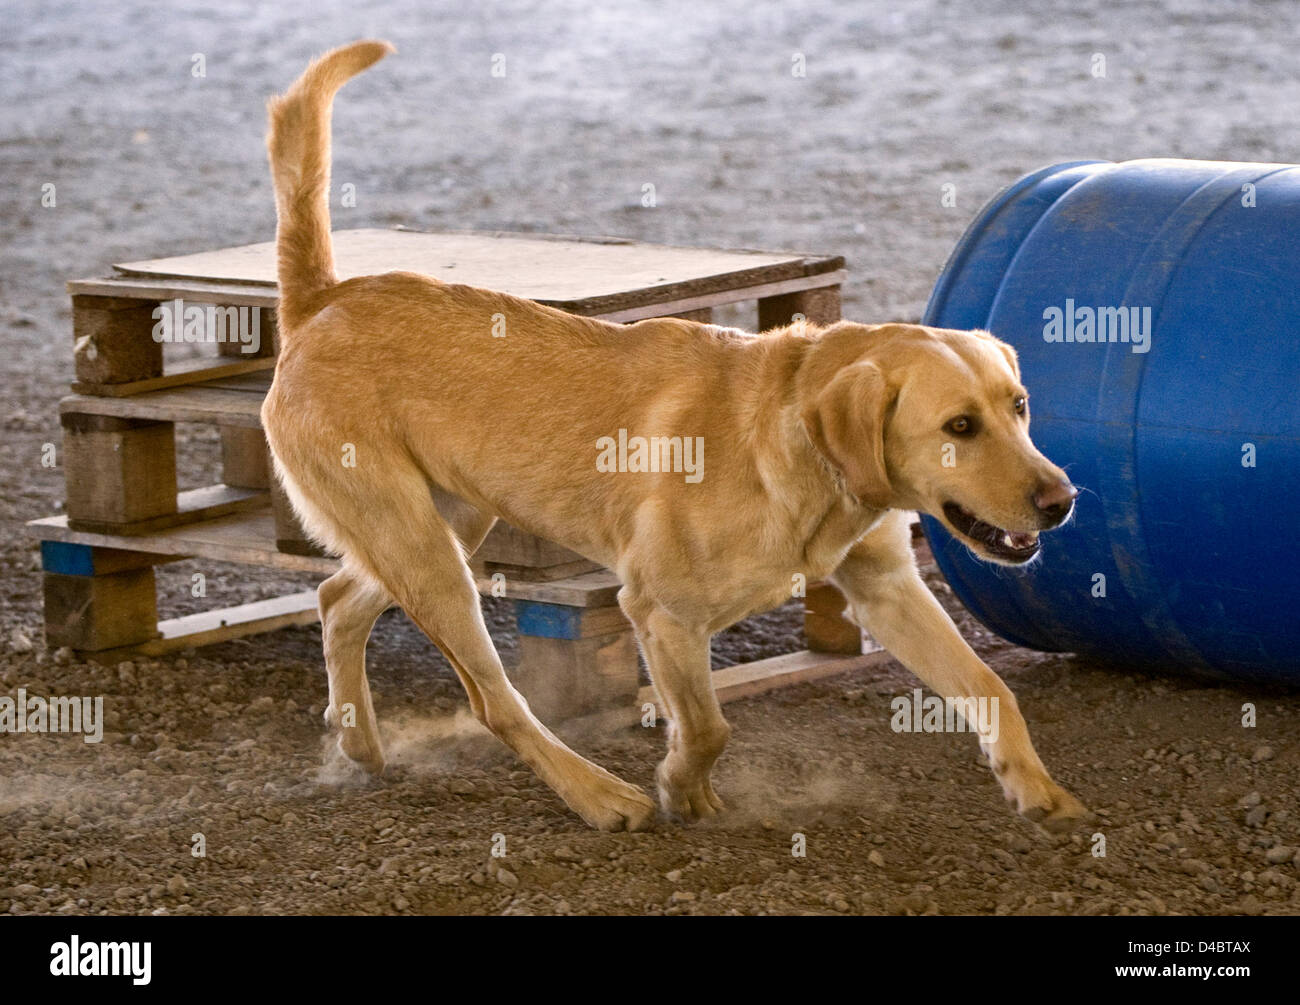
[
  {"x": 471, "y": 526},
  {"x": 408, "y": 546},
  {"x": 350, "y": 601}
]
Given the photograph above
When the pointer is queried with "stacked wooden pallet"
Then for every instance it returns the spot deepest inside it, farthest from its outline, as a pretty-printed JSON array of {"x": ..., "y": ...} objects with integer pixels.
[{"x": 125, "y": 515}]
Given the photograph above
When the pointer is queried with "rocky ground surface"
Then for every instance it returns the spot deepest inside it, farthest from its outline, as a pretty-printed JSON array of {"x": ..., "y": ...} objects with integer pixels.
[{"x": 1197, "y": 812}]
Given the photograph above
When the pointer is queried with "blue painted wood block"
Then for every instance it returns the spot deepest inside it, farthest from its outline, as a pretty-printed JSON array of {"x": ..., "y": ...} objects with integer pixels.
[
  {"x": 67, "y": 558},
  {"x": 548, "y": 621}
]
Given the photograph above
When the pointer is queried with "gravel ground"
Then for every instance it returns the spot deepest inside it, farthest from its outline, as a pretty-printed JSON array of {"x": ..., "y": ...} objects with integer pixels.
[
  {"x": 898, "y": 101},
  {"x": 1197, "y": 813}
]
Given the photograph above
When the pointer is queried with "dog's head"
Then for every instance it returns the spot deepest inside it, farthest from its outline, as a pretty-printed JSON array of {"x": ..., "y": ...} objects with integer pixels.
[{"x": 937, "y": 421}]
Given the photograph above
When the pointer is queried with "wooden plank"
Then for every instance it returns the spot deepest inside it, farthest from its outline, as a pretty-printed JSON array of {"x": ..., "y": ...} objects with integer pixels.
[
  {"x": 258, "y": 382},
  {"x": 190, "y": 371},
  {"x": 290, "y": 609},
  {"x": 232, "y": 294},
  {"x": 593, "y": 589},
  {"x": 508, "y": 545},
  {"x": 209, "y": 627},
  {"x": 243, "y": 538},
  {"x": 219, "y": 406},
  {"x": 746, "y": 680},
  {"x": 192, "y": 506},
  {"x": 666, "y": 302},
  {"x": 536, "y": 574},
  {"x": 84, "y": 560},
  {"x": 582, "y": 275},
  {"x": 749, "y": 679},
  {"x": 671, "y": 308},
  {"x": 249, "y": 539}
]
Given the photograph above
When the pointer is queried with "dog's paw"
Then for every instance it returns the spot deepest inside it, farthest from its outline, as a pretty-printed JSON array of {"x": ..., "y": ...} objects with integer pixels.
[
  {"x": 1045, "y": 803},
  {"x": 362, "y": 750},
  {"x": 612, "y": 804},
  {"x": 356, "y": 743},
  {"x": 687, "y": 802},
  {"x": 359, "y": 752},
  {"x": 1060, "y": 813}
]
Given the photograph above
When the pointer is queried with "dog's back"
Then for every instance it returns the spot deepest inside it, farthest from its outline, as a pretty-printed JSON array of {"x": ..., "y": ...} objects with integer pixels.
[{"x": 475, "y": 387}]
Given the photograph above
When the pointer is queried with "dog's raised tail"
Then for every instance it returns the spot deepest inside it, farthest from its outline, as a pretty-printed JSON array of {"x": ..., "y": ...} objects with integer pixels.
[{"x": 299, "y": 147}]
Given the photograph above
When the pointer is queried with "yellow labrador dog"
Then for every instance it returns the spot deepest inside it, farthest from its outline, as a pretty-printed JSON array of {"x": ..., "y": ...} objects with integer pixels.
[{"x": 817, "y": 439}]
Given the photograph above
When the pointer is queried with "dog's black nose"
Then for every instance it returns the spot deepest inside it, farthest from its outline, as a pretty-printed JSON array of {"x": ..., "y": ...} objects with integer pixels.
[{"x": 1055, "y": 501}]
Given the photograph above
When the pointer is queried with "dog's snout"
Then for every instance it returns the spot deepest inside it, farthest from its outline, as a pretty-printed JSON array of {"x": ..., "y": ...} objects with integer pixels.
[{"x": 1054, "y": 500}]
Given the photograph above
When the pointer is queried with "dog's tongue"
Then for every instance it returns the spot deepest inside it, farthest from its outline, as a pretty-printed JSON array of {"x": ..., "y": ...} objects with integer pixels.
[{"x": 1021, "y": 540}]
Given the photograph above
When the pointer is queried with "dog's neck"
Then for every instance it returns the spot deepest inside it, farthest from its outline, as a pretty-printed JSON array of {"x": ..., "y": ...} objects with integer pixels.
[{"x": 794, "y": 362}]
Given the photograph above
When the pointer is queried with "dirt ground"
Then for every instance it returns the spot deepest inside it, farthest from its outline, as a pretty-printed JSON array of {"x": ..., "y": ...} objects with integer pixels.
[{"x": 1198, "y": 813}]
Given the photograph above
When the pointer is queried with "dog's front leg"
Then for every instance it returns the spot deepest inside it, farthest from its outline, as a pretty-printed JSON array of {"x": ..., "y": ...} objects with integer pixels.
[
  {"x": 678, "y": 657},
  {"x": 888, "y": 598}
]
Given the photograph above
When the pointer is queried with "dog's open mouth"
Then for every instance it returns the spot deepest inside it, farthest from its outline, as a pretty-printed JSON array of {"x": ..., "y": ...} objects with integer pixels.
[{"x": 1009, "y": 546}]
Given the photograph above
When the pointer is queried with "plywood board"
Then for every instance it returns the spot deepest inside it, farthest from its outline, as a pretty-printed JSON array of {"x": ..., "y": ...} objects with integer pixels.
[
  {"x": 585, "y": 275},
  {"x": 155, "y": 288}
]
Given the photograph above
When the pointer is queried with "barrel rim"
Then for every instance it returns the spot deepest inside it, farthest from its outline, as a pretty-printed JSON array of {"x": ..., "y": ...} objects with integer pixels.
[{"x": 966, "y": 243}]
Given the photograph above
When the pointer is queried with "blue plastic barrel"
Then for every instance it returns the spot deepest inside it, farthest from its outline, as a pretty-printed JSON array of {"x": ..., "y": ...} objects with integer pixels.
[{"x": 1185, "y": 439}]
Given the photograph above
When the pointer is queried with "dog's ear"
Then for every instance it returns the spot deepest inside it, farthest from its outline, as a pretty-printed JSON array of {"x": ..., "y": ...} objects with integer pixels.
[
  {"x": 1008, "y": 353},
  {"x": 846, "y": 423}
]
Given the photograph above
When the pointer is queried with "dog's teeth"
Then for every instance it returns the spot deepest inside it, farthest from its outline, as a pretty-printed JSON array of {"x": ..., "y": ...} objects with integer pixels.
[{"x": 1006, "y": 539}]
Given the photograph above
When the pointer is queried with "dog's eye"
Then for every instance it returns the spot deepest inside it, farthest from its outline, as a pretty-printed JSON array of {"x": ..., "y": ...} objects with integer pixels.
[
  {"x": 963, "y": 425},
  {"x": 1021, "y": 404}
]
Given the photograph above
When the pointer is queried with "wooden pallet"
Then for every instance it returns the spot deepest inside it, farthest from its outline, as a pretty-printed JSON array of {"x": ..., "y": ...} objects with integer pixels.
[
  {"x": 125, "y": 516},
  {"x": 574, "y": 640}
]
